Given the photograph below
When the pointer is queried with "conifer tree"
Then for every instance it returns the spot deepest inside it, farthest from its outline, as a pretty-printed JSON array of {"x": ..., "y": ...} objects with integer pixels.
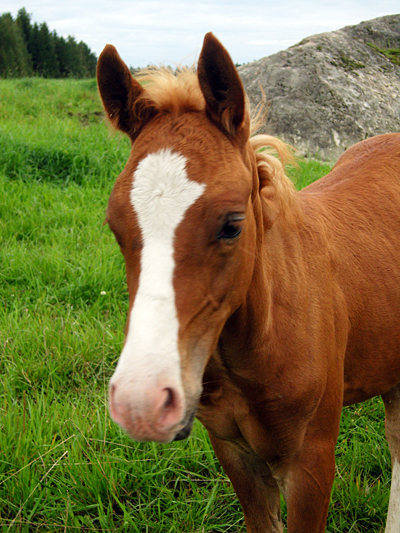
[
  {"x": 27, "y": 48},
  {"x": 14, "y": 57},
  {"x": 24, "y": 22},
  {"x": 43, "y": 51}
]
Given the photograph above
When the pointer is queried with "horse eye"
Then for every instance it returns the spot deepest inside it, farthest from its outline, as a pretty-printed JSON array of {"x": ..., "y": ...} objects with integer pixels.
[{"x": 231, "y": 229}]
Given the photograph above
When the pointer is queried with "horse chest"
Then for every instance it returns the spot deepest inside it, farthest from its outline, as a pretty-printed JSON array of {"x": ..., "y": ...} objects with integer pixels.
[
  {"x": 220, "y": 408},
  {"x": 270, "y": 430}
]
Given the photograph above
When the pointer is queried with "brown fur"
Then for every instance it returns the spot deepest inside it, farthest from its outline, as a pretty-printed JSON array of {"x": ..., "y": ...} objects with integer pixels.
[{"x": 298, "y": 316}]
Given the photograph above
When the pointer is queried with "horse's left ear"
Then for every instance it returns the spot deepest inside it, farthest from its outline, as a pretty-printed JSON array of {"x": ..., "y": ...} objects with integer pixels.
[{"x": 222, "y": 88}]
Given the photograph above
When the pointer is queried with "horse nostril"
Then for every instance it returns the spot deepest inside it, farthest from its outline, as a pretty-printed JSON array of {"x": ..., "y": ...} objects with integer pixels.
[
  {"x": 170, "y": 399},
  {"x": 118, "y": 410},
  {"x": 170, "y": 411}
]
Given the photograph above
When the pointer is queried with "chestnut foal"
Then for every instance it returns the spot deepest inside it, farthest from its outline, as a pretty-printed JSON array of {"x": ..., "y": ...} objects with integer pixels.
[{"x": 258, "y": 309}]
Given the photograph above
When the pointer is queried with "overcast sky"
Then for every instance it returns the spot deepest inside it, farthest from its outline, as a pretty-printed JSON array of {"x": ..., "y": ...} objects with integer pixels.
[{"x": 171, "y": 31}]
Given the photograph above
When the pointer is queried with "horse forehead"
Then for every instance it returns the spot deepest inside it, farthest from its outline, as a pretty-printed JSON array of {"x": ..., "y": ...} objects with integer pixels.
[
  {"x": 191, "y": 135},
  {"x": 187, "y": 147},
  {"x": 162, "y": 191}
]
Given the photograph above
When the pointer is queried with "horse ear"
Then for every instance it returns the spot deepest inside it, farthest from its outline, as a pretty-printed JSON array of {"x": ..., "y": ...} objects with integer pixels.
[
  {"x": 121, "y": 93},
  {"x": 222, "y": 88}
]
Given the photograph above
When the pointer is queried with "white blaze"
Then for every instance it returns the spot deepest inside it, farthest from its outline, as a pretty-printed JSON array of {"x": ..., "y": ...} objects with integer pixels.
[{"x": 161, "y": 194}]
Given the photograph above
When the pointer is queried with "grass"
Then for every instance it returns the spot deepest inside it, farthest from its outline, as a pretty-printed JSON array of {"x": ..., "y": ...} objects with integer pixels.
[{"x": 64, "y": 466}]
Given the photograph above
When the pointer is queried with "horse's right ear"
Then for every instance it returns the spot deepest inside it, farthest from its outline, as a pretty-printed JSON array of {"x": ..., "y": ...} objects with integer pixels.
[{"x": 121, "y": 93}]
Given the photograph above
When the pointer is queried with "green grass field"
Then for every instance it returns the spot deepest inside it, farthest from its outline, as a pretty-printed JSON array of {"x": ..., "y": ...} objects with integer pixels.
[{"x": 64, "y": 465}]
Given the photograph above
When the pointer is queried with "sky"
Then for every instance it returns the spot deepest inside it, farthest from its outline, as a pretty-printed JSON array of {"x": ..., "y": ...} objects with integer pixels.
[{"x": 170, "y": 32}]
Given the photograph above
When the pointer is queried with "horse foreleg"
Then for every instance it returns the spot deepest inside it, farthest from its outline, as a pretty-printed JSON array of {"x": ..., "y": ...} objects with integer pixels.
[
  {"x": 392, "y": 423},
  {"x": 254, "y": 485},
  {"x": 307, "y": 486}
]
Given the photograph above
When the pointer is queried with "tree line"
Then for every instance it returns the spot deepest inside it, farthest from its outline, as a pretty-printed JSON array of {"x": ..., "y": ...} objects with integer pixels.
[{"x": 28, "y": 49}]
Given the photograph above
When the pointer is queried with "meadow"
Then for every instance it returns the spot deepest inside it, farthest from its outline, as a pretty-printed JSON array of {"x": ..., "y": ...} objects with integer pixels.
[{"x": 64, "y": 465}]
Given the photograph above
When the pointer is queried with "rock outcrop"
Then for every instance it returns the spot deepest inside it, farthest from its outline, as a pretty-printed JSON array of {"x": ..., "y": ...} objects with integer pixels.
[{"x": 332, "y": 89}]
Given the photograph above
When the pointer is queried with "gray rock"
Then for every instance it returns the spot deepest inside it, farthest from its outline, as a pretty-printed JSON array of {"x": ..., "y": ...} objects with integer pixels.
[{"x": 331, "y": 90}]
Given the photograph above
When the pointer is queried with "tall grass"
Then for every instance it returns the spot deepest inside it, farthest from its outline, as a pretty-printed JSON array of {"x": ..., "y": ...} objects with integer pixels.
[{"x": 64, "y": 466}]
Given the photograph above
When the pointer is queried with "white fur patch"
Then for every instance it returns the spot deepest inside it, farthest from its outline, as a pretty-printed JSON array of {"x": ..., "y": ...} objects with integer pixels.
[
  {"x": 161, "y": 194},
  {"x": 393, "y": 518}
]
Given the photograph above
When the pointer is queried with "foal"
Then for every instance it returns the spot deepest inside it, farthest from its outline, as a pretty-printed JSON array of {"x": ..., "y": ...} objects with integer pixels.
[{"x": 258, "y": 309}]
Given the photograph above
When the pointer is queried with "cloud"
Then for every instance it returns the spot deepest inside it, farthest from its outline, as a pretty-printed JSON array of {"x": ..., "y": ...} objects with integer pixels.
[
  {"x": 268, "y": 42},
  {"x": 169, "y": 31}
]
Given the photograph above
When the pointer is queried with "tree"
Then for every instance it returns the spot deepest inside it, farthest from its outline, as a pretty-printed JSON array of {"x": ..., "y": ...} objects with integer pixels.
[
  {"x": 89, "y": 60},
  {"x": 24, "y": 22},
  {"x": 14, "y": 57},
  {"x": 43, "y": 51},
  {"x": 63, "y": 56},
  {"x": 27, "y": 48}
]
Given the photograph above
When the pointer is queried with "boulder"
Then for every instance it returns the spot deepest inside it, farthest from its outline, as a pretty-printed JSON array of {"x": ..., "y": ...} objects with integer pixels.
[{"x": 331, "y": 90}]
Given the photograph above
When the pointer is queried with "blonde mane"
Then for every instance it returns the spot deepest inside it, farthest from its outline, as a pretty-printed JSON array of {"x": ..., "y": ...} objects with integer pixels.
[{"x": 179, "y": 92}]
